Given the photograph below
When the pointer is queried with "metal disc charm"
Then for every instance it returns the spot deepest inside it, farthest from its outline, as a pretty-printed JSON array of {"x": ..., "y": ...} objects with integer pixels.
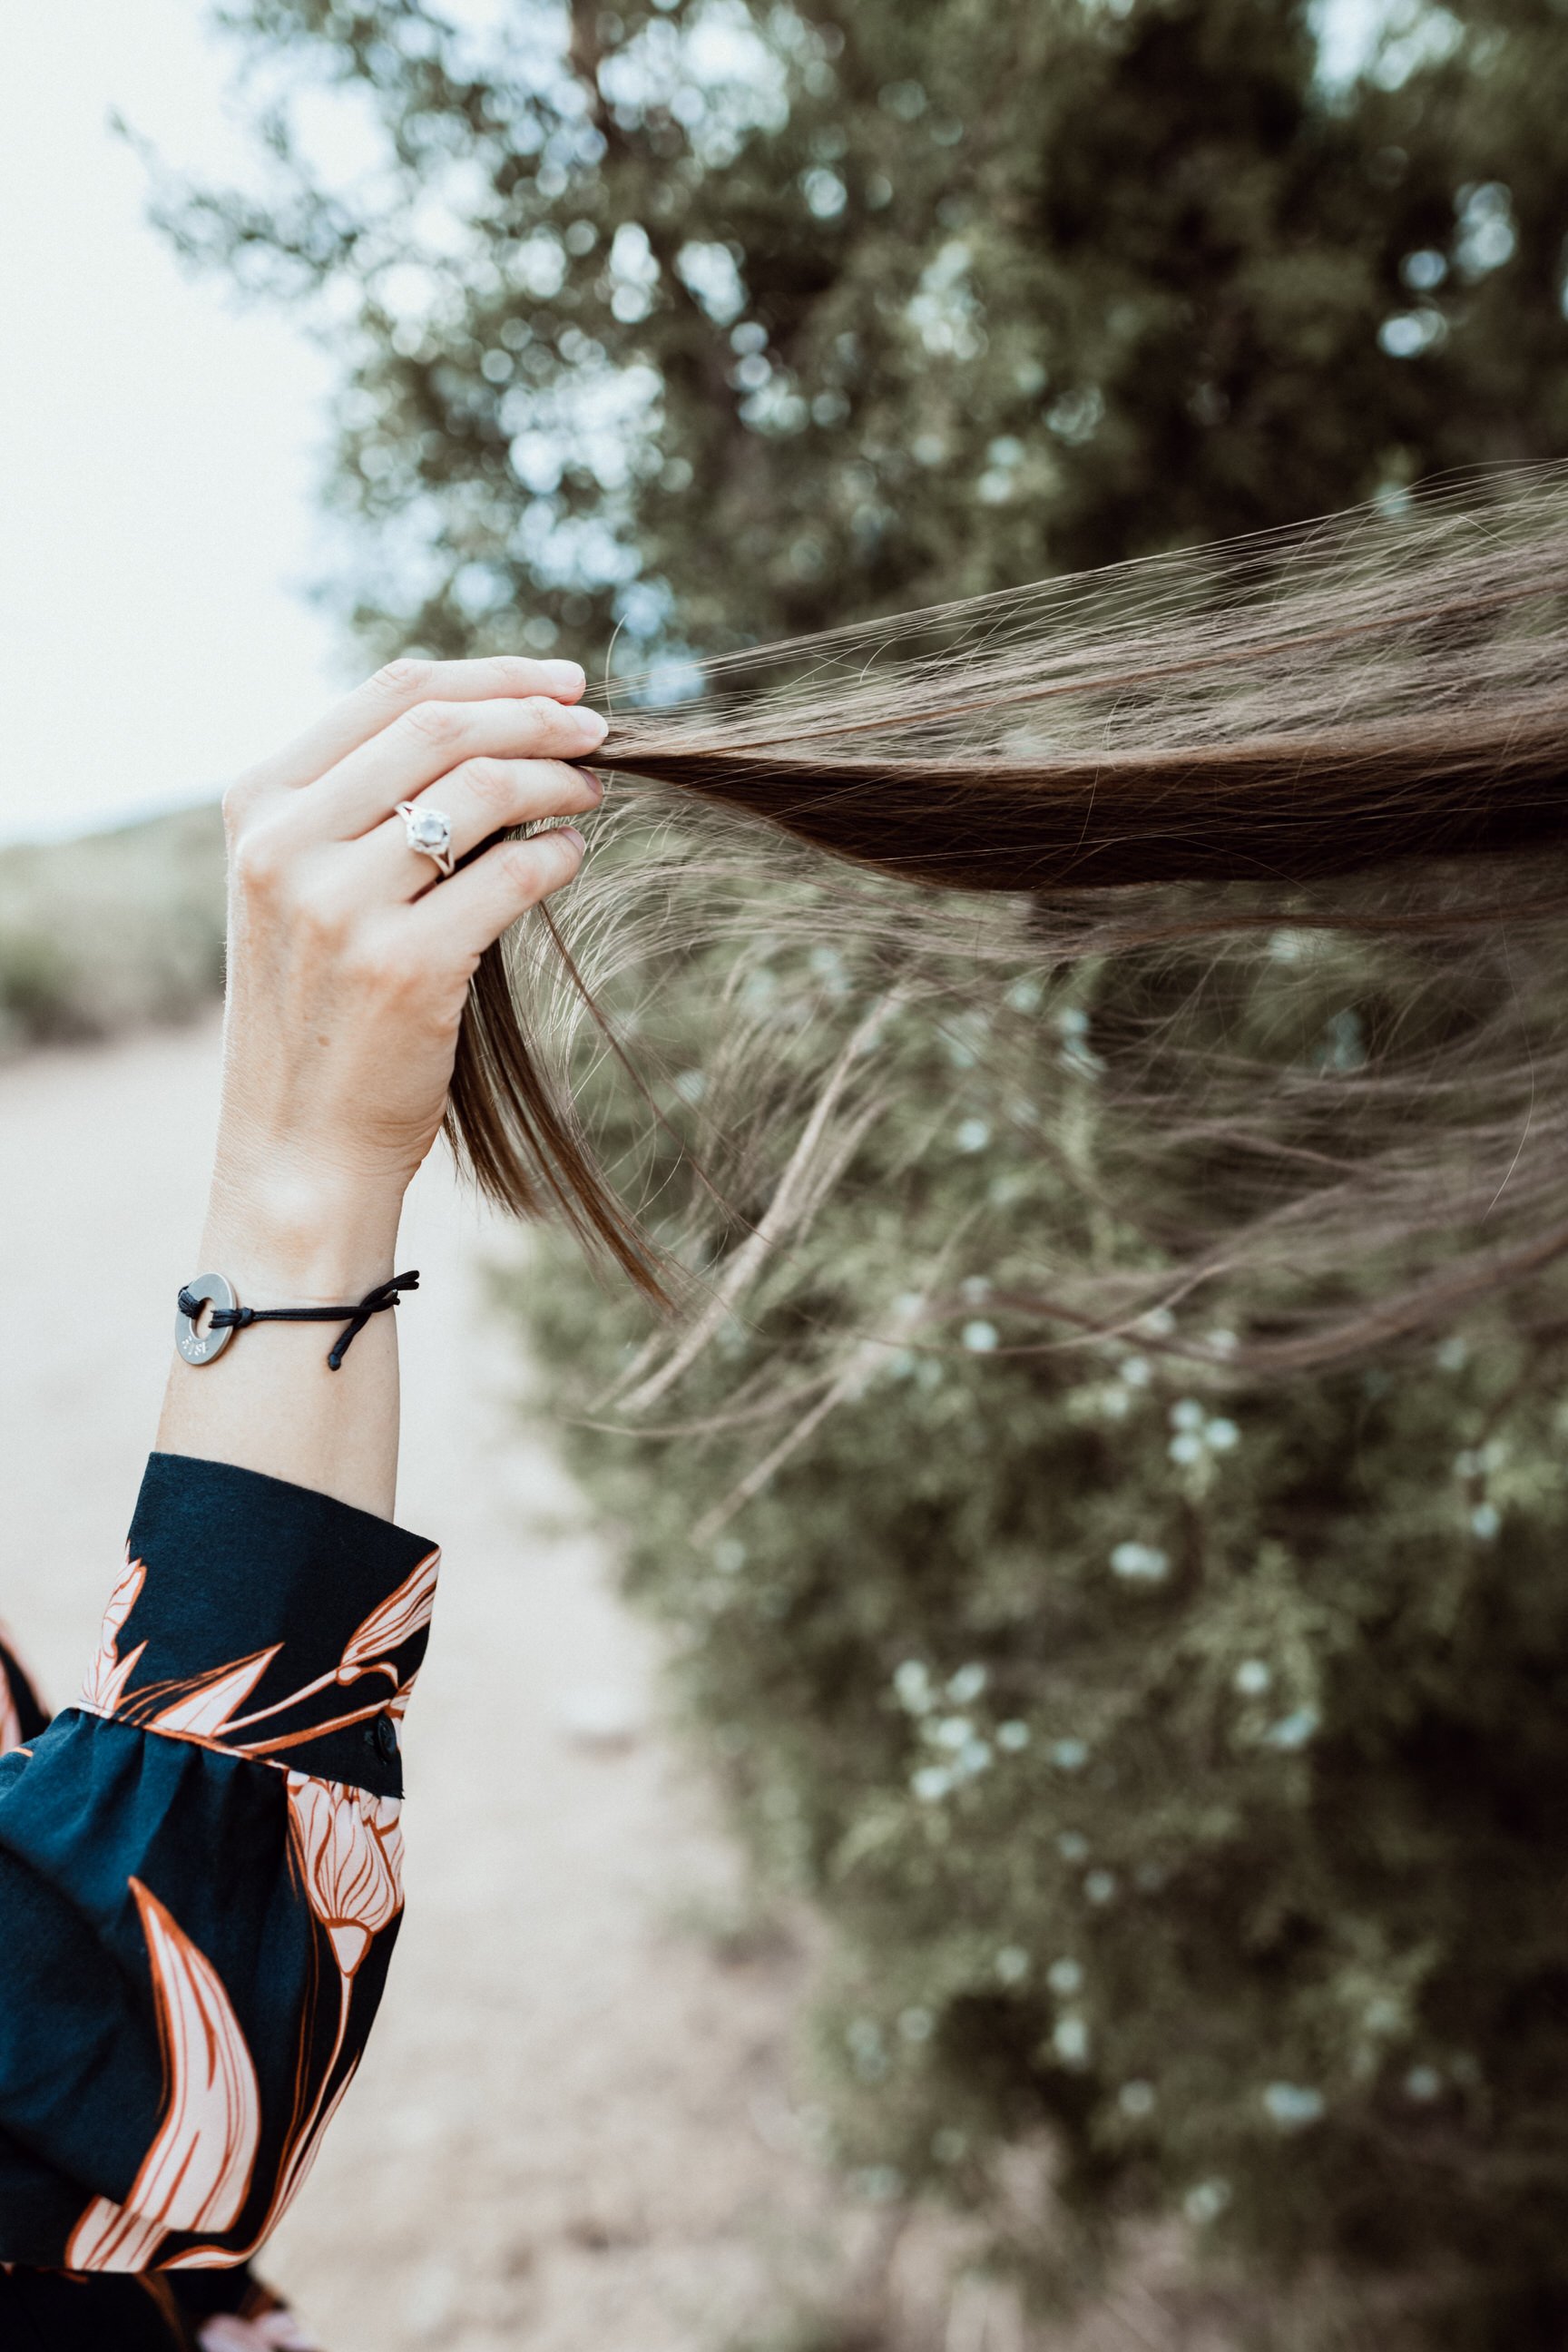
[{"x": 202, "y": 1347}]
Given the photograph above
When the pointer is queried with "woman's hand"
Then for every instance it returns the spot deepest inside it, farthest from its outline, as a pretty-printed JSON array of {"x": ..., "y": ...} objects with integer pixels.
[
  {"x": 349, "y": 963},
  {"x": 350, "y": 957}
]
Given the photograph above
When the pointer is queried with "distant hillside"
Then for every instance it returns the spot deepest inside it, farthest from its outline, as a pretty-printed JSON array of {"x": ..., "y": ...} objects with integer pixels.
[{"x": 112, "y": 931}]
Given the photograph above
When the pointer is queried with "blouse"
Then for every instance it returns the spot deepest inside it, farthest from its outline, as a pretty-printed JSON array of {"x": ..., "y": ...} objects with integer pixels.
[{"x": 200, "y": 1888}]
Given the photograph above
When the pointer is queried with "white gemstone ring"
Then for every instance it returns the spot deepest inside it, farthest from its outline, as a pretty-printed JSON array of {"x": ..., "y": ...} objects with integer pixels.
[{"x": 429, "y": 830}]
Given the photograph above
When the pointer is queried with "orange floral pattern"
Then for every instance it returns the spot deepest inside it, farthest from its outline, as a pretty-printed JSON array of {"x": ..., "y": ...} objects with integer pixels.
[
  {"x": 108, "y": 1673},
  {"x": 221, "y": 1818},
  {"x": 351, "y": 1852},
  {"x": 10, "y": 1713},
  {"x": 195, "y": 2173}
]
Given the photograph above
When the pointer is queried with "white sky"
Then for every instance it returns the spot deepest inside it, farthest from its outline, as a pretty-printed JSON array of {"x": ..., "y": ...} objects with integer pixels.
[{"x": 157, "y": 447}]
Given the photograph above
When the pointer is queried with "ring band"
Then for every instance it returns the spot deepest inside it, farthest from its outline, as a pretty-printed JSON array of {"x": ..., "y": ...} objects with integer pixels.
[{"x": 429, "y": 831}]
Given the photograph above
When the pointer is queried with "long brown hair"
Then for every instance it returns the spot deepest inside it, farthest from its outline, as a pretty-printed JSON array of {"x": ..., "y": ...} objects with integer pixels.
[{"x": 1359, "y": 727}]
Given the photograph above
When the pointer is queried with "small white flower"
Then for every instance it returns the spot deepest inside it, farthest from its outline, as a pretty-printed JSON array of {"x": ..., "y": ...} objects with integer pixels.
[
  {"x": 954, "y": 1731},
  {"x": 1293, "y": 1730},
  {"x": 1186, "y": 1449},
  {"x": 1013, "y": 1736},
  {"x": 930, "y": 1784},
  {"x": 1423, "y": 2083},
  {"x": 1253, "y": 1677},
  {"x": 1206, "y": 2201},
  {"x": 966, "y": 1685},
  {"x": 1220, "y": 1435},
  {"x": 1454, "y": 1354},
  {"x": 1187, "y": 1413},
  {"x": 913, "y": 1683},
  {"x": 1069, "y": 2040},
  {"x": 1011, "y": 1964},
  {"x": 916, "y": 2024},
  {"x": 973, "y": 1135},
  {"x": 1068, "y": 1754},
  {"x": 980, "y": 1338},
  {"x": 1135, "y": 1370},
  {"x": 1073, "y": 1846},
  {"x": 1485, "y": 1521},
  {"x": 1141, "y": 1563},
  {"x": 974, "y": 1756},
  {"x": 1099, "y": 1886},
  {"x": 1293, "y": 2106},
  {"x": 729, "y": 1556},
  {"x": 1064, "y": 1977},
  {"x": 1136, "y": 2099}
]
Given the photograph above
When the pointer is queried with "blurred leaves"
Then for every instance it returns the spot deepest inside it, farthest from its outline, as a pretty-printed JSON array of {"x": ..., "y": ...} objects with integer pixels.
[
  {"x": 106, "y": 933},
  {"x": 717, "y": 320}
]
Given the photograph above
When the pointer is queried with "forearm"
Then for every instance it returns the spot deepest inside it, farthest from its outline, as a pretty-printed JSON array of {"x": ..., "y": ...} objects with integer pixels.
[
  {"x": 350, "y": 960},
  {"x": 269, "y": 1401},
  {"x": 200, "y": 1862}
]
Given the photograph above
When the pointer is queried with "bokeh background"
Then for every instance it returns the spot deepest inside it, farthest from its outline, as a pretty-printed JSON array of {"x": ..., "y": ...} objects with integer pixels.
[{"x": 1091, "y": 1873}]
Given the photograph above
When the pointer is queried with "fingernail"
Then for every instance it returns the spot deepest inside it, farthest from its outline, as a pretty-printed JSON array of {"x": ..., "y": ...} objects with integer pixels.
[
  {"x": 570, "y": 676},
  {"x": 572, "y": 833},
  {"x": 591, "y": 776},
  {"x": 592, "y": 724}
]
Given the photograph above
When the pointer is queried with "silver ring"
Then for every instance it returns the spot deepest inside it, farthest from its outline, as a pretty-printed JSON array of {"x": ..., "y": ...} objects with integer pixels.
[{"x": 429, "y": 830}]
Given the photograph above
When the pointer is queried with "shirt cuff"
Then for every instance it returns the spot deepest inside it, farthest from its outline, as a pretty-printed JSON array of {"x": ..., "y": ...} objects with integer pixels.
[{"x": 267, "y": 1620}]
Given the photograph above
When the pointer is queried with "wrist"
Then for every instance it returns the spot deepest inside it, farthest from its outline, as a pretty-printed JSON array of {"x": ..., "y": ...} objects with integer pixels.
[{"x": 287, "y": 1236}]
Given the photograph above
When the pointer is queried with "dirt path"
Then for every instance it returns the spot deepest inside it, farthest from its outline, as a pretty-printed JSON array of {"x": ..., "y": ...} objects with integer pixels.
[{"x": 574, "y": 2131}]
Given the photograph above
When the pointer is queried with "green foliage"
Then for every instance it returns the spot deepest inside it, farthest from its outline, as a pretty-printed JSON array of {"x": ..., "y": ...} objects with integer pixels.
[
  {"x": 110, "y": 933},
  {"x": 1178, "y": 1760},
  {"x": 734, "y": 320}
]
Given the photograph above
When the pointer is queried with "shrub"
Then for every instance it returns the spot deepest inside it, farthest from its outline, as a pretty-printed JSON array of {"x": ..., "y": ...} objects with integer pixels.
[
  {"x": 111, "y": 932},
  {"x": 1180, "y": 1758}
]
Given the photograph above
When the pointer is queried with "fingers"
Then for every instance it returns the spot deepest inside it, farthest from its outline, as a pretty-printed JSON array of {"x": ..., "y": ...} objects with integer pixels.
[
  {"x": 460, "y": 919},
  {"x": 482, "y": 797},
  {"x": 427, "y": 744},
  {"x": 400, "y": 688}
]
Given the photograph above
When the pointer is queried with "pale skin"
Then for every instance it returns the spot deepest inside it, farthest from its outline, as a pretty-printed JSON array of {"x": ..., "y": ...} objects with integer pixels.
[{"x": 349, "y": 962}]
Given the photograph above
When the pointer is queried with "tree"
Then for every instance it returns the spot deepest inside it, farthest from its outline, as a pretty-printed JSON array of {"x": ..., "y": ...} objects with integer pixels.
[{"x": 723, "y": 320}]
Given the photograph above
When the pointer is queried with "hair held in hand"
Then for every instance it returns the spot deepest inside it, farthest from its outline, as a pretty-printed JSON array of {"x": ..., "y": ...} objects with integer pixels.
[{"x": 1355, "y": 730}]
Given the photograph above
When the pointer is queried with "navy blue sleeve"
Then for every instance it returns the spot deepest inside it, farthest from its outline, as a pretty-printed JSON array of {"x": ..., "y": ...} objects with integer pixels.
[{"x": 200, "y": 1873}]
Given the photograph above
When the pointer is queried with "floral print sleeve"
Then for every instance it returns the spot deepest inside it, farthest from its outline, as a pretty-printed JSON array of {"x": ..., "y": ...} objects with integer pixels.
[{"x": 200, "y": 1884}]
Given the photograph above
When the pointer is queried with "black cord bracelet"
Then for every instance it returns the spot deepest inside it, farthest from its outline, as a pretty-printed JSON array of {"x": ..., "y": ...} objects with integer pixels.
[{"x": 229, "y": 1317}]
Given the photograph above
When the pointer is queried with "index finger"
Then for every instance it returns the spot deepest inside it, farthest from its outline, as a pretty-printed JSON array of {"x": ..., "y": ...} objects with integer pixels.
[{"x": 396, "y": 688}]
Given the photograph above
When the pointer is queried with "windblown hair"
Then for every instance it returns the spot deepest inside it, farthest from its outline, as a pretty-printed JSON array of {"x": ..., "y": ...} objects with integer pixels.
[{"x": 1202, "y": 764}]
